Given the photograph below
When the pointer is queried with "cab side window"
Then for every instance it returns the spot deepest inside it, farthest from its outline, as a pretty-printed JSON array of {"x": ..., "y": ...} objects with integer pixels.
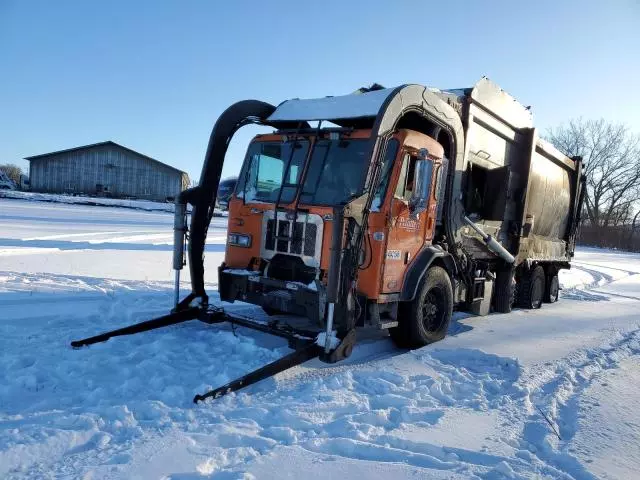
[
  {"x": 385, "y": 172},
  {"x": 405, "y": 186}
]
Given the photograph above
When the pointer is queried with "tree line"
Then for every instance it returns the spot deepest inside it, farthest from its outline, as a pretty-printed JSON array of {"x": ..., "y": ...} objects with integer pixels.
[
  {"x": 14, "y": 172},
  {"x": 611, "y": 155}
]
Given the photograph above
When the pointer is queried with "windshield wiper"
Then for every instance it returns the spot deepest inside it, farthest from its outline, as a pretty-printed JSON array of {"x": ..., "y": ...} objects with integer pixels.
[{"x": 351, "y": 197}]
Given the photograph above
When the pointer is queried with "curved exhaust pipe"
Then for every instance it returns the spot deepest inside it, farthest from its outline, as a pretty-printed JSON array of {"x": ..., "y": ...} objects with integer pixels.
[
  {"x": 492, "y": 243},
  {"x": 204, "y": 199}
]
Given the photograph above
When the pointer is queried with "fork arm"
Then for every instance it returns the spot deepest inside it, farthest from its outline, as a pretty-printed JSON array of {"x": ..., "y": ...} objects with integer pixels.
[
  {"x": 190, "y": 313},
  {"x": 311, "y": 350}
]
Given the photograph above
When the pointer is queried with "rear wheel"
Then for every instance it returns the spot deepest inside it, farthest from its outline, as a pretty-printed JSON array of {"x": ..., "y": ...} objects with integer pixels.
[
  {"x": 504, "y": 291},
  {"x": 552, "y": 289},
  {"x": 425, "y": 319},
  {"x": 531, "y": 288}
]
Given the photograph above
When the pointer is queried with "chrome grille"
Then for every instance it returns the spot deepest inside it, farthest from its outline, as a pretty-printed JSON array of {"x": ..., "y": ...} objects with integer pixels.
[
  {"x": 302, "y": 238},
  {"x": 309, "y": 239}
]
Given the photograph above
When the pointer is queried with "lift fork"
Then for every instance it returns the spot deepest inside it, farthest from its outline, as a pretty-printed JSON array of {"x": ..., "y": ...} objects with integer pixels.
[{"x": 301, "y": 341}]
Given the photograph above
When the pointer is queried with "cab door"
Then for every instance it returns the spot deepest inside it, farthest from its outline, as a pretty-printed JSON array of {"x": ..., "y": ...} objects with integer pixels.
[{"x": 407, "y": 234}]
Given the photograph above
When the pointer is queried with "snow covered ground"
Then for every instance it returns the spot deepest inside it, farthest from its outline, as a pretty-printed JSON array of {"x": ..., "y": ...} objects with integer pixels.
[
  {"x": 94, "y": 201},
  {"x": 550, "y": 393}
]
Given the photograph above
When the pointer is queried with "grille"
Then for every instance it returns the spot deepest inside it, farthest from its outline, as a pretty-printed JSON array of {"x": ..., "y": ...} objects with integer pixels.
[
  {"x": 283, "y": 231},
  {"x": 310, "y": 239},
  {"x": 270, "y": 242},
  {"x": 302, "y": 241}
]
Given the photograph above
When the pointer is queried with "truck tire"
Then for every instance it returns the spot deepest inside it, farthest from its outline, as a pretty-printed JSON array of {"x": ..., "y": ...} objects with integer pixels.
[
  {"x": 504, "y": 291},
  {"x": 531, "y": 288},
  {"x": 552, "y": 289},
  {"x": 426, "y": 318}
]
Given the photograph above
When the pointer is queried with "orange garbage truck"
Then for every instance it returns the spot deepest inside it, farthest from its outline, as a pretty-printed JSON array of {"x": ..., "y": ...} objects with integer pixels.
[{"x": 388, "y": 208}]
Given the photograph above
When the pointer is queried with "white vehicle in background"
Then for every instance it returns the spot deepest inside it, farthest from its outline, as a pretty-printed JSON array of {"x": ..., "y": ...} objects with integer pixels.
[
  {"x": 5, "y": 182},
  {"x": 225, "y": 190}
]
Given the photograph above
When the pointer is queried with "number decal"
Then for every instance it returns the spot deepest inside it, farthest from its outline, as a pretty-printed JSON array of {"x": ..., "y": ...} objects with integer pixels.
[{"x": 393, "y": 254}]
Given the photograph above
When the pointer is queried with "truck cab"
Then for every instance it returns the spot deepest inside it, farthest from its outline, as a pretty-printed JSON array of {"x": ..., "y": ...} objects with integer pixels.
[{"x": 281, "y": 214}]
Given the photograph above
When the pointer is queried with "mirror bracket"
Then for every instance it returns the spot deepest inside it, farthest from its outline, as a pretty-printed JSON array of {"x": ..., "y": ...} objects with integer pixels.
[{"x": 422, "y": 183}]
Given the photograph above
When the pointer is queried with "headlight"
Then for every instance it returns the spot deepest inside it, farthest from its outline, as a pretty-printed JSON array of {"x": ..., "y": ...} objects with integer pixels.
[{"x": 239, "y": 240}]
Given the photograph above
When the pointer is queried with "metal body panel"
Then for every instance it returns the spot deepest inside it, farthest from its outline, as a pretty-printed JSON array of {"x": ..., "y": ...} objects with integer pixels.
[{"x": 531, "y": 187}]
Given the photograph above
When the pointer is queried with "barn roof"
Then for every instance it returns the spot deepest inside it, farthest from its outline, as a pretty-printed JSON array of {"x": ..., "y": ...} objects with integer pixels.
[{"x": 100, "y": 144}]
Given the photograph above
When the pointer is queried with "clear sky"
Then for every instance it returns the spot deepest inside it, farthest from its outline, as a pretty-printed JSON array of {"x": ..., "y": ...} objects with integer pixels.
[{"x": 155, "y": 75}]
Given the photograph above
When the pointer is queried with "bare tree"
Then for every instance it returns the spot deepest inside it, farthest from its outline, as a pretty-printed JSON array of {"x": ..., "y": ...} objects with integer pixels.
[
  {"x": 632, "y": 231},
  {"x": 612, "y": 164},
  {"x": 12, "y": 171}
]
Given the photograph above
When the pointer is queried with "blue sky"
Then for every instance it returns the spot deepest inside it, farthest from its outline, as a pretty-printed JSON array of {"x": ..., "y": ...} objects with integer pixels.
[{"x": 154, "y": 75}]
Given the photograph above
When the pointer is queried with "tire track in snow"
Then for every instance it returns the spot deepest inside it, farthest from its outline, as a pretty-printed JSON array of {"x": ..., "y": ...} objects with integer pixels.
[
  {"x": 590, "y": 291},
  {"x": 559, "y": 397},
  {"x": 359, "y": 412},
  {"x": 628, "y": 272},
  {"x": 600, "y": 279}
]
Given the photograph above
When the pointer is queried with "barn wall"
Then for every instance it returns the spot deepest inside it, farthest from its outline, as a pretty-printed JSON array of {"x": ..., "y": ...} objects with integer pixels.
[{"x": 123, "y": 173}]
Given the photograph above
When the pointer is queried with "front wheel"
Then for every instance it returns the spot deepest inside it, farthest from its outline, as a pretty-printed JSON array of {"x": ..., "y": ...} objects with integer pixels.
[
  {"x": 504, "y": 290},
  {"x": 426, "y": 318}
]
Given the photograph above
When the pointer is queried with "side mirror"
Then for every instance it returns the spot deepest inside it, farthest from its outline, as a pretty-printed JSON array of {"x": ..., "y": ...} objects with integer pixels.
[{"x": 422, "y": 183}]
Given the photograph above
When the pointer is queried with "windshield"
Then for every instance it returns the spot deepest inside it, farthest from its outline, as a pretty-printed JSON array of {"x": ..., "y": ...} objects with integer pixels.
[{"x": 335, "y": 174}]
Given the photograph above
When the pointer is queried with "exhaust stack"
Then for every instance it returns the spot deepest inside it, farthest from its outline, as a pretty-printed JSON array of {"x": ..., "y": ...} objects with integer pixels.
[{"x": 492, "y": 243}]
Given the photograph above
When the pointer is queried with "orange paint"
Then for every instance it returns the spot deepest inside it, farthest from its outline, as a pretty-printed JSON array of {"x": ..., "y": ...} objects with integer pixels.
[{"x": 393, "y": 238}]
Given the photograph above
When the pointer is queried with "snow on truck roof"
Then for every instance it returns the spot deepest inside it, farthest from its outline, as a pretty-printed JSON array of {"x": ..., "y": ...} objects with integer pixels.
[
  {"x": 345, "y": 106},
  {"x": 366, "y": 104},
  {"x": 355, "y": 105}
]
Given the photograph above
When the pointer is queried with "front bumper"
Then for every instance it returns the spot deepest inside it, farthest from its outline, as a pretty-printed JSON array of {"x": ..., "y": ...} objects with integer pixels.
[{"x": 280, "y": 295}]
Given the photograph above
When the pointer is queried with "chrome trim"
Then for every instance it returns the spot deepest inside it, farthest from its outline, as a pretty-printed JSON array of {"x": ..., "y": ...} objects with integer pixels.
[{"x": 306, "y": 218}]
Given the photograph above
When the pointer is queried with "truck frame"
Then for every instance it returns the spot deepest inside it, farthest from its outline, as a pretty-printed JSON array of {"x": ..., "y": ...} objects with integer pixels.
[{"x": 388, "y": 208}]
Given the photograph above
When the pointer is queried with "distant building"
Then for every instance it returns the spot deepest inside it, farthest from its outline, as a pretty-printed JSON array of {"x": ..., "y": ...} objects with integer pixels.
[{"x": 105, "y": 169}]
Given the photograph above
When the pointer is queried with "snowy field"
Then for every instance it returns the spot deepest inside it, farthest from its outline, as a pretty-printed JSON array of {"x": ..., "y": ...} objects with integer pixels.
[
  {"x": 146, "y": 205},
  {"x": 471, "y": 406}
]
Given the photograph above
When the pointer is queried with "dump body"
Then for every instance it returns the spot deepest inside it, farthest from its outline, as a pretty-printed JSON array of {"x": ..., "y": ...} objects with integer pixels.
[{"x": 516, "y": 186}]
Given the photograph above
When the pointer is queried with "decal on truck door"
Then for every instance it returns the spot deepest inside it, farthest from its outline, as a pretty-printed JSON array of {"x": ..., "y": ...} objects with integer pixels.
[
  {"x": 393, "y": 254},
  {"x": 408, "y": 224}
]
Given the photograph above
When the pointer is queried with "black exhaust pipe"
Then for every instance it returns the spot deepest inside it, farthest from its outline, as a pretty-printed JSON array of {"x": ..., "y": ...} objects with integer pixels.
[{"x": 237, "y": 115}]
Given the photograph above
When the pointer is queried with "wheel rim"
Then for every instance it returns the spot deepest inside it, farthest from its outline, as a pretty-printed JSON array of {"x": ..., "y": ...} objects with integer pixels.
[{"x": 433, "y": 309}]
